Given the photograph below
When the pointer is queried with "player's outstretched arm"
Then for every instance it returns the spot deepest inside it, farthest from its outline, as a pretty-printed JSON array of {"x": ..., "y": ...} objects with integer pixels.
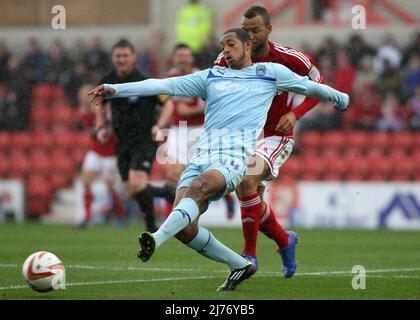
[
  {"x": 192, "y": 85},
  {"x": 289, "y": 81}
]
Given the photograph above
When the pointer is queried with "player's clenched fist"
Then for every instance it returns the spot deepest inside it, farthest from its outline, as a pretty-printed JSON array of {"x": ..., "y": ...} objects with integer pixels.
[{"x": 98, "y": 94}]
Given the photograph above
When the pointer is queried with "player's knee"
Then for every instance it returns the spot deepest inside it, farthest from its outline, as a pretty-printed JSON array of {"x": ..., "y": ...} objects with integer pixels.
[
  {"x": 247, "y": 187},
  {"x": 136, "y": 187},
  {"x": 199, "y": 189}
]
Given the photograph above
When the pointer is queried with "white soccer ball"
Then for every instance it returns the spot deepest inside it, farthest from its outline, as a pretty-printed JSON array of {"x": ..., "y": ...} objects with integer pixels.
[{"x": 43, "y": 271}]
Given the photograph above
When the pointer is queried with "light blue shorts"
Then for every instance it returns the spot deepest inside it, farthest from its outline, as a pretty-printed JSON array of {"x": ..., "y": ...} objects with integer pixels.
[{"x": 234, "y": 172}]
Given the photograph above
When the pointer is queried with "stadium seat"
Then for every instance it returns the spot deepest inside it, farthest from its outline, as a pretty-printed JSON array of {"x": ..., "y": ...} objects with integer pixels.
[
  {"x": 64, "y": 140},
  {"x": 378, "y": 140},
  {"x": 61, "y": 162},
  {"x": 377, "y": 176},
  {"x": 4, "y": 167},
  {"x": 293, "y": 166},
  {"x": 21, "y": 140},
  {"x": 42, "y": 140},
  {"x": 313, "y": 167},
  {"x": 310, "y": 141},
  {"x": 39, "y": 194},
  {"x": 40, "y": 161},
  {"x": 400, "y": 177},
  {"x": 354, "y": 176},
  {"x": 62, "y": 114},
  {"x": 402, "y": 140},
  {"x": 42, "y": 92},
  {"x": 335, "y": 164},
  {"x": 19, "y": 164},
  {"x": 357, "y": 140},
  {"x": 41, "y": 117},
  {"x": 356, "y": 168},
  {"x": 335, "y": 140},
  {"x": 5, "y": 143},
  {"x": 332, "y": 176},
  {"x": 58, "y": 180}
]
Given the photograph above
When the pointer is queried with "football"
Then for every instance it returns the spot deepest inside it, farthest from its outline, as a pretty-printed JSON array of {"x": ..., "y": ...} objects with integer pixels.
[{"x": 44, "y": 271}]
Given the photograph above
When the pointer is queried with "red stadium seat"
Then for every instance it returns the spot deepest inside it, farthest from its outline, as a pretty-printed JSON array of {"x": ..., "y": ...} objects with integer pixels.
[
  {"x": 62, "y": 114},
  {"x": 313, "y": 167},
  {"x": 41, "y": 117},
  {"x": 42, "y": 92},
  {"x": 60, "y": 162},
  {"x": 58, "y": 180},
  {"x": 379, "y": 140},
  {"x": 22, "y": 140},
  {"x": 377, "y": 176},
  {"x": 332, "y": 176},
  {"x": 402, "y": 140},
  {"x": 310, "y": 141},
  {"x": 65, "y": 140},
  {"x": 42, "y": 140},
  {"x": 293, "y": 166},
  {"x": 39, "y": 194},
  {"x": 354, "y": 176},
  {"x": 309, "y": 176},
  {"x": 334, "y": 140},
  {"x": 40, "y": 162},
  {"x": 357, "y": 140},
  {"x": 5, "y": 142},
  {"x": 4, "y": 167},
  {"x": 334, "y": 163},
  {"x": 20, "y": 165},
  {"x": 357, "y": 168},
  {"x": 400, "y": 177}
]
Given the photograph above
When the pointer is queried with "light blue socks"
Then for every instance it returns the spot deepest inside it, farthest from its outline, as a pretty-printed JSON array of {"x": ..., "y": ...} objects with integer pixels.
[
  {"x": 181, "y": 216},
  {"x": 207, "y": 245}
]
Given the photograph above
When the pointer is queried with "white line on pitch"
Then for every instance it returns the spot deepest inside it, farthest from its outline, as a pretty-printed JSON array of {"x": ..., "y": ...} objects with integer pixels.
[
  {"x": 70, "y": 284},
  {"x": 320, "y": 273}
]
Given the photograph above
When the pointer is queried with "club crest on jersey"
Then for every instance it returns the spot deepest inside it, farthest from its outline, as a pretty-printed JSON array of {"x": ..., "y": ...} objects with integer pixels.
[{"x": 261, "y": 70}]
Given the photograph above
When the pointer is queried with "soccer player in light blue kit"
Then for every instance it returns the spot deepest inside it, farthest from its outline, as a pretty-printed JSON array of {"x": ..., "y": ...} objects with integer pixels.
[{"x": 238, "y": 99}]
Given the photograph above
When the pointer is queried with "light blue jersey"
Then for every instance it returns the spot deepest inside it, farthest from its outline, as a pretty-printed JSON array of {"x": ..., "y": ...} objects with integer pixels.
[{"x": 236, "y": 110}]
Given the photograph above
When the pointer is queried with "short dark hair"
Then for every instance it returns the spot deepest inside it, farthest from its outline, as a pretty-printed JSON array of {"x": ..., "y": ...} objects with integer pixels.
[
  {"x": 181, "y": 46},
  {"x": 241, "y": 34},
  {"x": 254, "y": 11},
  {"x": 123, "y": 43}
]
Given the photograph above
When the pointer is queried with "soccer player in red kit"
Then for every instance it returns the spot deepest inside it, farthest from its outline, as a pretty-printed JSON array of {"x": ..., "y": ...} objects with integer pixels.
[
  {"x": 276, "y": 146},
  {"x": 100, "y": 160},
  {"x": 185, "y": 117}
]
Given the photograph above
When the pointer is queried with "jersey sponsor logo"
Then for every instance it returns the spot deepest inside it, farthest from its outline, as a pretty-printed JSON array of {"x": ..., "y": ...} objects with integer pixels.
[{"x": 261, "y": 70}]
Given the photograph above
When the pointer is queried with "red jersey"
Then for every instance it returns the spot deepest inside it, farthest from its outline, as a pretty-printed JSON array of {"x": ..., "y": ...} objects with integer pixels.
[
  {"x": 107, "y": 149},
  {"x": 283, "y": 103},
  {"x": 192, "y": 102}
]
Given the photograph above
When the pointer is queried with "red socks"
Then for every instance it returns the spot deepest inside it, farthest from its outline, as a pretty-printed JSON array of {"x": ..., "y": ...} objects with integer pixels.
[
  {"x": 272, "y": 228},
  {"x": 88, "y": 198},
  {"x": 250, "y": 211}
]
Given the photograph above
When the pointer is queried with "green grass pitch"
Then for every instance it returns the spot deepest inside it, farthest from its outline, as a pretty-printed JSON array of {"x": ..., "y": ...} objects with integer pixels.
[{"x": 101, "y": 263}]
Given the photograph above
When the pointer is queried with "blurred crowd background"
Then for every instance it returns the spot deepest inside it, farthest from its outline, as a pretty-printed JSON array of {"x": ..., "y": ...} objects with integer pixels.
[{"x": 42, "y": 95}]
